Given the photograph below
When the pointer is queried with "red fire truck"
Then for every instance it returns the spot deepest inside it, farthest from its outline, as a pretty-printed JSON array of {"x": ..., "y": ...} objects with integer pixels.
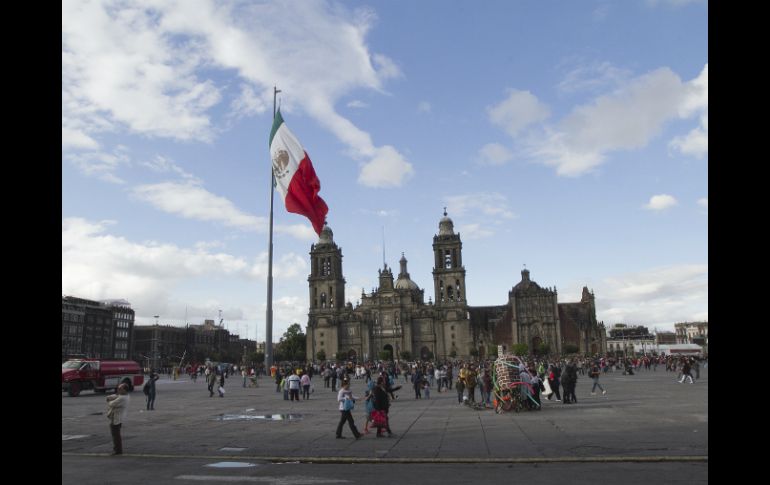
[{"x": 100, "y": 375}]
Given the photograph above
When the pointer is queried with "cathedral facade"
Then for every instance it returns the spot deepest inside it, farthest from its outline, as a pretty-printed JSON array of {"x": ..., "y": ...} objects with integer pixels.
[{"x": 395, "y": 318}]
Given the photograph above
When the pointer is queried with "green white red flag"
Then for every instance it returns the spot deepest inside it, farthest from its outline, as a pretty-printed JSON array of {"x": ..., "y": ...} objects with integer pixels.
[{"x": 295, "y": 177}]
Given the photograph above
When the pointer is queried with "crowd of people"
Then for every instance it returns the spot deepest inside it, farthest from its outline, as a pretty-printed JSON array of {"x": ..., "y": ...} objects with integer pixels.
[{"x": 555, "y": 377}]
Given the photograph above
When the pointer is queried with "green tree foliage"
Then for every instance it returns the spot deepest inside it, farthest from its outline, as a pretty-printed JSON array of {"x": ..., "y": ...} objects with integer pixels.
[
  {"x": 570, "y": 349},
  {"x": 292, "y": 344},
  {"x": 385, "y": 355},
  {"x": 520, "y": 349},
  {"x": 320, "y": 355},
  {"x": 543, "y": 349},
  {"x": 405, "y": 355},
  {"x": 474, "y": 352},
  {"x": 453, "y": 354}
]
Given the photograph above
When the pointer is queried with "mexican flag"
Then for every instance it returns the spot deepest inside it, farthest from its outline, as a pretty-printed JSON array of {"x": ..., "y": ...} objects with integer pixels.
[{"x": 294, "y": 175}]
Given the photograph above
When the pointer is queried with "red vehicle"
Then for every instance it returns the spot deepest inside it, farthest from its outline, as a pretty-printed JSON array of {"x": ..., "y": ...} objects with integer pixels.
[{"x": 100, "y": 375}]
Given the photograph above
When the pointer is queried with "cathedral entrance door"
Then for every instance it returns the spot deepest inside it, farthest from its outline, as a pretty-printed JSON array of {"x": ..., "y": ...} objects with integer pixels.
[
  {"x": 352, "y": 355},
  {"x": 389, "y": 349}
]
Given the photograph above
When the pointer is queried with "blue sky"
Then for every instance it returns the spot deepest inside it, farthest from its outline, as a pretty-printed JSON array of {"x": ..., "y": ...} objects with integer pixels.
[{"x": 568, "y": 136}]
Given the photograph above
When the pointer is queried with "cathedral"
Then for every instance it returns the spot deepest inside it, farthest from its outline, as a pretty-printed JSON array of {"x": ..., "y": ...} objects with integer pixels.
[{"x": 395, "y": 317}]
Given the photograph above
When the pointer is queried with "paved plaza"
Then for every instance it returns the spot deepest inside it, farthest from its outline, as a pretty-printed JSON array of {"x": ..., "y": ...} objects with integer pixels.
[{"x": 647, "y": 418}]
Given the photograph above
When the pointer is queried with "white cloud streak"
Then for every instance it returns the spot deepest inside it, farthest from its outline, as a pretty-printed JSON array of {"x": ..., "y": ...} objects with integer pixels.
[
  {"x": 658, "y": 296},
  {"x": 98, "y": 265},
  {"x": 191, "y": 201},
  {"x": 661, "y": 202}
]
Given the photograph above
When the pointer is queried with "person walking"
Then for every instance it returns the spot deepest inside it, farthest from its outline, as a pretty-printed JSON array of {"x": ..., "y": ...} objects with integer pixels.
[
  {"x": 305, "y": 382},
  {"x": 151, "y": 391},
  {"x": 686, "y": 372},
  {"x": 595, "y": 376},
  {"x": 294, "y": 383},
  {"x": 554, "y": 381},
  {"x": 221, "y": 388},
  {"x": 212, "y": 380},
  {"x": 346, "y": 400},
  {"x": 117, "y": 404},
  {"x": 382, "y": 404}
]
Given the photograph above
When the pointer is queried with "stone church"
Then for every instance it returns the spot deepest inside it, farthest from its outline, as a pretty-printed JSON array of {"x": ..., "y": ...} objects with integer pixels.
[{"x": 396, "y": 318}]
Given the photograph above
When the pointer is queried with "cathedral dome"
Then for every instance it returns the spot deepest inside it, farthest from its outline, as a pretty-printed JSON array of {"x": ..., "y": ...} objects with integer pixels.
[
  {"x": 445, "y": 226},
  {"x": 327, "y": 236},
  {"x": 404, "y": 282}
]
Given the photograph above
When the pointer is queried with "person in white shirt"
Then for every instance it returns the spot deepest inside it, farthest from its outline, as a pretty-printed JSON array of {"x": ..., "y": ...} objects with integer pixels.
[
  {"x": 346, "y": 415},
  {"x": 294, "y": 382},
  {"x": 117, "y": 404}
]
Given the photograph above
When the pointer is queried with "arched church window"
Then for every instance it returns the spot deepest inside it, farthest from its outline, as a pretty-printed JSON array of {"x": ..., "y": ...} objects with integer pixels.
[
  {"x": 327, "y": 267},
  {"x": 447, "y": 259},
  {"x": 450, "y": 293},
  {"x": 323, "y": 300}
]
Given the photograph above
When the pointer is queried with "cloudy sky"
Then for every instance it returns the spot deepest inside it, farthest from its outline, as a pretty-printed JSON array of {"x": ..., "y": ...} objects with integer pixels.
[{"x": 568, "y": 136}]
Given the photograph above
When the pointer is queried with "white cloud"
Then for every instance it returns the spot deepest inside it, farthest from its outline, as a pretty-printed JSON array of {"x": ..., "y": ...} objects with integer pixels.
[
  {"x": 161, "y": 164},
  {"x": 696, "y": 101},
  {"x": 71, "y": 138},
  {"x": 661, "y": 202},
  {"x": 626, "y": 119},
  {"x": 695, "y": 143},
  {"x": 249, "y": 103},
  {"x": 704, "y": 202},
  {"x": 386, "y": 169},
  {"x": 493, "y": 154},
  {"x": 659, "y": 296},
  {"x": 98, "y": 265},
  {"x": 593, "y": 77},
  {"x": 143, "y": 66},
  {"x": 518, "y": 111},
  {"x": 118, "y": 65},
  {"x": 488, "y": 204},
  {"x": 356, "y": 104},
  {"x": 191, "y": 201},
  {"x": 423, "y": 107},
  {"x": 474, "y": 231},
  {"x": 100, "y": 163}
]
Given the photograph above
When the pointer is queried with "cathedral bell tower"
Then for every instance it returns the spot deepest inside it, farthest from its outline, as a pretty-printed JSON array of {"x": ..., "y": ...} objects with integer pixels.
[
  {"x": 448, "y": 270},
  {"x": 327, "y": 285}
]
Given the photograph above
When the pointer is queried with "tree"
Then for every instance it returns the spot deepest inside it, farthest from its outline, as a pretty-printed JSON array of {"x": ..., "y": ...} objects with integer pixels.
[
  {"x": 543, "y": 349},
  {"x": 453, "y": 354},
  {"x": 342, "y": 356},
  {"x": 256, "y": 357},
  {"x": 520, "y": 349},
  {"x": 292, "y": 344},
  {"x": 385, "y": 355},
  {"x": 570, "y": 349},
  {"x": 405, "y": 355},
  {"x": 320, "y": 355},
  {"x": 474, "y": 352}
]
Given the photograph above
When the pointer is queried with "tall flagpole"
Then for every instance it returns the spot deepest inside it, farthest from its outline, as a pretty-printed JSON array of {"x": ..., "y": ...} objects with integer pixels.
[{"x": 269, "y": 316}]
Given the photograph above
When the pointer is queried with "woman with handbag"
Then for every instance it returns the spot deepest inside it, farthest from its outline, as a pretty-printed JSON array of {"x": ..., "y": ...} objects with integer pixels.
[
  {"x": 346, "y": 400},
  {"x": 381, "y": 407}
]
